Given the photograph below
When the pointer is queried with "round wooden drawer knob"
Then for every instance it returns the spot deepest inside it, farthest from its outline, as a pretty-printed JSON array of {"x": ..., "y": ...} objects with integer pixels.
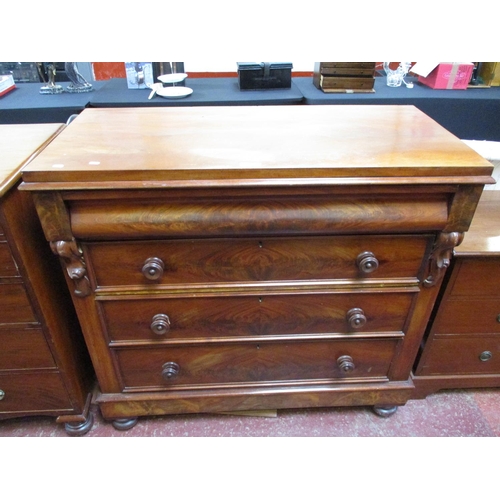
[
  {"x": 170, "y": 370},
  {"x": 153, "y": 268},
  {"x": 356, "y": 318},
  {"x": 485, "y": 356},
  {"x": 346, "y": 364},
  {"x": 367, "y": 262},
  {"x": 2, "y": 394},
  {"x": 160, "y": 324}
]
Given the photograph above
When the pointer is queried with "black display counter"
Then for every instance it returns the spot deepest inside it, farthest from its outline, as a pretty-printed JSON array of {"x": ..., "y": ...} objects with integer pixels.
[
  {"x": 25, "y": 104},
  {"x": 206, "y": 92},
  {"x": 472, "y": 114}
]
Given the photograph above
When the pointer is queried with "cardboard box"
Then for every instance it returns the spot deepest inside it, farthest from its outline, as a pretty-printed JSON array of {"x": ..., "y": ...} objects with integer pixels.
[
  {"x": 6, "y": 84},
  {"x": 450, "y": 76}
]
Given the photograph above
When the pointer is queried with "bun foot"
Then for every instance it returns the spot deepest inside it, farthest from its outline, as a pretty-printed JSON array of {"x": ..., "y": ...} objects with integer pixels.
[
  {"x": 385, "y": 411},
  {"x": 123, "y": 424},
  {"x": 79, "y": 428}
]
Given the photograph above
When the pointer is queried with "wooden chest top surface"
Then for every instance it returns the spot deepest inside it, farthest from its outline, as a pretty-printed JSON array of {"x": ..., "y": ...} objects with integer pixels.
[
  {"x": 483, "y": 237},
  {"x": 17, "y": 144},
  {"x": 267, "y": 143}
]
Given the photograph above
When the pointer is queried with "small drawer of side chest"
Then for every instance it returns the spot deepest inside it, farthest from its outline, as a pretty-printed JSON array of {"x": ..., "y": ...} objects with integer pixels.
[
  {"x": 15, "y": 306},
  {"x": 174, "y": 262},
  {"x": 24, "y": 348},
  {"x": 254, "y": 363},
  {"x": 469, "y": 317},
  {"x": 462, "y": 356},
  {"x": 32, "y": 392},
  {"x": 477, "y": 277},
  {"x": 8, "y": 266}
]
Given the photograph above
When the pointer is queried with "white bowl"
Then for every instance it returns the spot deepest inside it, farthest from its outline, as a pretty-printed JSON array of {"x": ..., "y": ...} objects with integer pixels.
[
  {"x": 173, "y": 78},
  {"x": 174, "y": 92}
]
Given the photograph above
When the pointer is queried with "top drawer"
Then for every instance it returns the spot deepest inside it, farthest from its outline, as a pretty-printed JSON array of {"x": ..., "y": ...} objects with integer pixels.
[
  {"x": 255, "y": 260},
  {"x": 188, "y": 215}
]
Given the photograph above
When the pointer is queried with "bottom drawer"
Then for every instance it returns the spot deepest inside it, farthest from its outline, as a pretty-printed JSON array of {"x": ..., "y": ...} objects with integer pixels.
[
  {"x": 272, "y": 362},
  {"x": 33, "y": 392},
  {"x": 462, "y": 356}
]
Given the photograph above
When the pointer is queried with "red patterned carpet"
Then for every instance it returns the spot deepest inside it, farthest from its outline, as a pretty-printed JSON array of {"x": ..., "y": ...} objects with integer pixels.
[{"x": 473, "y": 413}]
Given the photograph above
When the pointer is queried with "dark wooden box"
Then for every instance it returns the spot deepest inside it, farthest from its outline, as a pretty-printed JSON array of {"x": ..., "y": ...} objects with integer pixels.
[{"x": 344, "y": 76}]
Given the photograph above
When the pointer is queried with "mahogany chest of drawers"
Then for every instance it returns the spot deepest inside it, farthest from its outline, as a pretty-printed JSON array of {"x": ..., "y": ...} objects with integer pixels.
[
  {"x": 44, "y": 364},
  {"x": 245, "y": 258},
  {"x": 462, "y": 347}
]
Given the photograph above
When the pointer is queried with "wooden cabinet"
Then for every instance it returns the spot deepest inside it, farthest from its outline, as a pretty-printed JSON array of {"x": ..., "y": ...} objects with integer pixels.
[
  {"x": 462, "y": 347},
  {"x": 244, "y": 258},
  {"x": 44, "y": 364}
]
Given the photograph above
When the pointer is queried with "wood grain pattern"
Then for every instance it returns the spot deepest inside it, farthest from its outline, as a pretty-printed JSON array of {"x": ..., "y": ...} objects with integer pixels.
[
  {"x": 44, "y": 365},
  {"x": 285, "y": 216},
  {"x": 8, "y": 267},
  {"x": 461, "y": 356},
  {"x": 253, "y": 142},
  {"x": 466, "y": 322},
  {"x": 483, "y": 236},
  {"x": 251, "y": 221},
  {"x": 254, "y": 362},
  {"x": 471, "y": 315},
  {"x": 24, "y": 348},
  {"x": 19, "y": 144},
  {"x": 477, "y": 277},
  {"x": 16, "y": 306},
  {"x": 34, "y": 393},
  {"x": 262, "y": 315},
  {"x": 259, "y": 259},
  {"x": 256, "y": 398}
]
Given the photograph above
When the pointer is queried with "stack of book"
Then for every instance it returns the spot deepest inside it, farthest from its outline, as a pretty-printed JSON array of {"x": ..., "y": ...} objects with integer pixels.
[
  {"x": 344, "y": 76},
  {"x": 6, "y": 84}
]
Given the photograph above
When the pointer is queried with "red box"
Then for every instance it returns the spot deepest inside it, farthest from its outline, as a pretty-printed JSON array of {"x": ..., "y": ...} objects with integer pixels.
[{"x": 448, "y": 76}]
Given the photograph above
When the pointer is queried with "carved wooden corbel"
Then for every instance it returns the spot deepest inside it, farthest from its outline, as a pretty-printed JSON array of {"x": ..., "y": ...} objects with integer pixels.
[
  {"x": 72, "y": 256},
  {"x": 441, "y": 256}
]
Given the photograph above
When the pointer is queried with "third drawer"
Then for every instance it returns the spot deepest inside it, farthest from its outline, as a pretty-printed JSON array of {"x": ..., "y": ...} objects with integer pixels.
[{"x": 255, "y": 363}]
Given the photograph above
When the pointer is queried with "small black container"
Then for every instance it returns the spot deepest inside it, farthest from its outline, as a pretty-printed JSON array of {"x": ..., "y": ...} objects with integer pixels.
[{"x": 264, "y": 75}]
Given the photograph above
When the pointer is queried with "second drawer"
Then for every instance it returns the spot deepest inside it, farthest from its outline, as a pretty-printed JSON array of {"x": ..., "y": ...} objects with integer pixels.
[
  {"x": 472, "y": 316},
  {"x": 204, "y": 317}
]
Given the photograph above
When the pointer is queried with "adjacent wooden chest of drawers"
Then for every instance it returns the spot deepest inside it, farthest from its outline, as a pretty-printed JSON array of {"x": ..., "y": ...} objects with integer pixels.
[
  {"x": 462, "y": 347},
  {"x": 44, "y": 364},
  {"x": 242, "y": 258}
]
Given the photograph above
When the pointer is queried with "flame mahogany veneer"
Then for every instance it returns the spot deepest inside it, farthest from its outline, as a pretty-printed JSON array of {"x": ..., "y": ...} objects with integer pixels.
[{"x": 243, "y": 258}]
